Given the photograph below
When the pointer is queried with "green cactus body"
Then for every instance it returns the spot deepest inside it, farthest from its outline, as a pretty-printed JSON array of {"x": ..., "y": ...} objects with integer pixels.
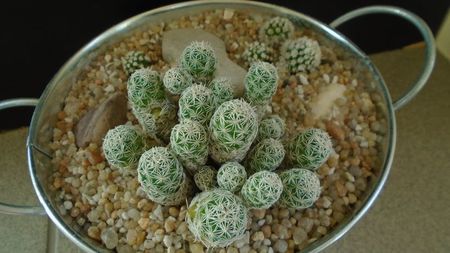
[
  {"x": 232, "y": 128},
  {"x": 176, "y": 80},
  {"x": 276, "y": 30},
  {"x": 301, "y": 188},
  {"x": 123, "y": 145},
  {"x": 310, "y": 149},
  {"x": 217, "y": 218},
  {"x": 266, "y": 155},
  {"x": 205, "y": 178},
  {"x": 199, "y": 60},
  {"x": 231, "y": 176},
  {"x": 222, "y": 91},
  {"x": 145, "y": 87},
  {"x": 135, "y": 60},
  {"x": 260, "y": 83},
  {"x": 262, "y": 190},
  {"x": 196, "y": 103},
  {"x": 271, "y": 127},
  {"x": 258, "y": 51},
  {"x": 301, "y": 54}
]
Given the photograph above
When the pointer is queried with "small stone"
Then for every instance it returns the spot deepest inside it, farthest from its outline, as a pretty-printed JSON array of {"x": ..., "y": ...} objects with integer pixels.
[
  {"x": 267, "y": 230},
  {"x": 173, "y": 211},
  {"x": 170, "y": 224},
  {"x": 283, "y": 213},
  {"x": 259, "y": 213},
  {"x": 131, "y": 237},
  {"x": 109, "y": 238},
  {"x": 258, "y": 236},
  {"x": 149, "y": 244},
  {"x": 168, "y": 240},
  {"x": 124, "y": 248},
  {"x": 196, "y": 248},
  {"x": 143, "y": 223},
  {"x": 94, "y": 232},
  {"x": 232, "y": 250},
  {"x": 299, "y": 235},
  {"x": 280, "y": 246},
  {"x": 228, "y": 14},
  {"x": 157, "y": 214},
  {"x": 134, "y": 214},
  {"x": 159, "y": 235},
  {"x": 182, "y": 228},
  {"x": 68, "y": 205}
]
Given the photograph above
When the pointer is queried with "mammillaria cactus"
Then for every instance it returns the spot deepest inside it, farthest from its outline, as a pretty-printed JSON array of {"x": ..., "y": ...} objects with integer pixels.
[
  {"x": 301, "y": 188},
  {"x": 162, "y": 177},
  {"x": 301, "y": 54},
  {"x": 257, "y": 51},
  {"x": 217, "y": 218},
  {"x": 123, "y": 145},
  {"x": 205, "y": 178},
  {"x": 176, "y": 80},
  {"x": 232, "y": 128},
  {"x": 157, "y": 119},
  {"x": 145, "y": 87},
  {"x": 199, "y": 60},
  {"x": 276, "y": 30},
  {"x": 266, "y": 155},
  {"x": 310, "y": 149},
  {"x": 196, "y": 103},
  {"x": 222, "y": 90},
  {"x": 135, "y": 60},
  {"x": 231, "y": 176},
  {"x": 271, "y": 127},
  {"x": 262, "y": 190},
  {"x": 260, "y": 83}
]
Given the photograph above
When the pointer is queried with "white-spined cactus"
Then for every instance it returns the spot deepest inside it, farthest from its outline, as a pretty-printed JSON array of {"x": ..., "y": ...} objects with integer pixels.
[
  {"x": 222, "y": 90},
  {"x": 301, "y": 54},
  {"x": 266, "y": 155},
  {"x": 176, "y": 80},
  {"x": 145, "y": 87},
  {"x": 205, "y": 178},
  {"x": 231, "y": 176},
  {"x": 199, "y": 60},
  {"x": 257, "y": 51},
  {"x": 232, "y": 128},
  {"x": 310, "y": 149},
  {"x": 276, "y": 30},
  {"x": 301, "y": 188},
  {"x": 162, "y": 176},
  {"x": 135, "y": 60},
  {"x": 217, "y": 218},
  {"x": 262, "y": 190},
  {"x": 271, "y": 127},
  {"x": 260, "y": 83},
  {"x": 196, "y": 103},
  {"x": 122, "y": 146}
]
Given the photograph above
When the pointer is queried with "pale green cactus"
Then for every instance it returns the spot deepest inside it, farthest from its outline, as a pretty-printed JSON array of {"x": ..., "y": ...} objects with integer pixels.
[
  {"x": 217, "y": 218},
  {"x": 231, "y": 176},
  {"x": 176, "y": 80},
  {"x": 310, "y": 149},
  {"x": 232, "y": 128},
  {"x": 196, "y": 103},
  {"x": 205, "y": 178},
  {"x": 222, "y": 90},
  {"x": 199, "y": 60},
  {"x": 257, "y": 51},
  {"x": 260, "y": 83},
  {"x": 135, "y": 60},
  {"x": 262, "y": 190},
  {"x": 271, "y": 127},
  {"x": 301, "y": 188},
  {"x": 276, "y": 30},
  {"x": 122, "y": 146},
  {"x": 301, "y": 54},
  {"x": 145, "y": 87},
  {"x": 266, "y": 155}
]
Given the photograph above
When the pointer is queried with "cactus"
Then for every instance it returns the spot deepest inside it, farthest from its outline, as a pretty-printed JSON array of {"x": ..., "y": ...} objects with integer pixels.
[
  {"x": 231, "y": 176},
  {"x": 135, "y": 60},
  {"x": 199, "y": 60},
  {"x": 301, "y": 54},
  {"x": 196, "y": 103},
  {"x": 276, "y": 30},
  {"x": 271, "y": 127},
  {"x": 257, "y": 51},
  {"x": 205, "y": 178},
  {"x": 301, "y": 188},
  {"x": 222, "y": 91},
  {"x": 217, "y": 218},
  {"x": 145, "y": 87},
  {"x": 260, "y": 83},
  {"x": 123, "y": 145},
  {"x": 262, "y": 190},
  {"x": 176, "y": 80},
  {"x": 162, "y": 177},
  {"x": 310, "y": 149},
  {"x": 266, "y": 155},
  {"x": 232, "y": 129}
]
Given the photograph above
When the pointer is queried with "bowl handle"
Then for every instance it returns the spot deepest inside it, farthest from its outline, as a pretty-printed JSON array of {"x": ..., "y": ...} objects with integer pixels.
[
  {"x": 17, "y": 209},
  {"x": 430, "y": 47}
]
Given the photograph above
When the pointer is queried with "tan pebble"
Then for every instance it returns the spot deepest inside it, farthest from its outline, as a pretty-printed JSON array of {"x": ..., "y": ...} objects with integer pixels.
[
  {"x": 196, "y": 248},
  {"x": 322, "y": 230},
  {"x": 170, "y": 224},
  {"x": 283, "y": 213},
  {"x": 259, "y": 213},
  {"x": 94, "y": 232},
  {"x": 335, "y": 131},
  {"x": 352, "y": 198},
  {"x": 143, "y": 223},
  {"x": 173, "y": 211},
  {"x": 340, "y": 188},
  {"x": 258, "y": 236},
  {"x": 232, "y": 250},
  {"x": 140, "y": 237},
  {"x": 154, "y": 226},
  {"x": 276, "y": 228},
  {"x": 267, "y": 230}
]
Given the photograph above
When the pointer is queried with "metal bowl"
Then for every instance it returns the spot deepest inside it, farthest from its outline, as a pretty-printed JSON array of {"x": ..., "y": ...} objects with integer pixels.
[{"x": 51, "y": 101}]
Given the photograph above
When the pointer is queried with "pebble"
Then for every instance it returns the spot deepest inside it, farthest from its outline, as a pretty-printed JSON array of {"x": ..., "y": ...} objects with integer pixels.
[
  {"x": 299, "y": 235},
  {"x": 170, "y": 224},
  {"x": 109, "y": 238},
  {"x": 157, "y": 214},
  {"x": 267, "y": 230},
  {"x": 173, "y": 211},
  {"x": 280, "y": 246},
  {"x": 149, "y": 244},
  {"x": 168, "y": 240},
  {"x": 196, "y": 248},
  {"x": 94, "y": 232},
  {"x": 258, "y": 236},
  {"x": 259, "y": 213},
  {"x": 134, "y": 214},
  {"x": 232, "y": 250},
  {"x": 131, "y": 236},
  {"x": 143, "y": 223}
]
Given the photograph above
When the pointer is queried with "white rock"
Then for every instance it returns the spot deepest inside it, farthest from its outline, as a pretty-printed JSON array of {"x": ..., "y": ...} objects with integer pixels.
[
  {"x": 109, "y": 238},
  {"x": 134, "y": 214},
  {"x": 322, "y": 104}
]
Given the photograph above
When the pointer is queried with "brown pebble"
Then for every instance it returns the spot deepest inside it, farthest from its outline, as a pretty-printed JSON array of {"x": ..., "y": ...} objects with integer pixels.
[
  {"x": 143, "y": 223},
  {"x": 267, "y": 230},
  {"x": 94, "y": 232},
  {"x": 173, "y": 211},
  {"x": 335, "y": 131},
  {"x": 259, "y": 213}
]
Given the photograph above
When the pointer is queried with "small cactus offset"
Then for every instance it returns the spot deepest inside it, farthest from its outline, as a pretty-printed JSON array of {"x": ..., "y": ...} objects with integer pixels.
[
  {"x": 135, "y": 60},
  {"x": 260, "y": 83},
  {"x": 231, "y": 176},
  {"x": 217, "y": 218},
  {"x": 258, "y": 51},
  {"x": 271, "y": 127},
  {"x": 310, "y": 149},
  {"x": 123, "y": 145},
  {"x": 232, "y": 128},
  {"x": 276, "y": 30},
  {"x": 301, "y": 54},
  {"x": 262, "y": 190},
  {"x": 222, "y": 91},
  {"x": 266, "y": 155},
  {"x": 205, "y": 178},
  {"x": 196, "y": 103},
  {"x": 301, "y": 188},
  {"x": 176, "y": 80},
  {"x": 145, "y": 87},
  {"x": 199, "y": 60}
]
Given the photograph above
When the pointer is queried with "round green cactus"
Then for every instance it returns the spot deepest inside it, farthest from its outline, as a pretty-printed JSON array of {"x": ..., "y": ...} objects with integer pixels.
[
  {"x": 176, "y": 80},
  {"x": 260, "y": 83},
  {"x": 262, "y": 190},
  {"x": 199, "y": 60},
  {"x": 266, "y": 155},
  {"x": 271, "y": 127},
  {"x": 196, "y": 103},
  {"x": 162, "y": 177},
  {"x": 123, "y": 145},
  {"x": 232, "y": 128},
  {"x": 301, "y": 54},
  {"x": 205, "y": 178},
  {"x": 222, "y": 91},
  {"x": 301, "y": 188},
  {"x": 257, "y": 51},
  {"x": 135, "y": 60},
  {"x": 145, "y": 87},
  {"x": 276, "y": 30},
  {"x": 231, "y": 176},
  {"x": 217, "y": 218},
  {"x": 310, "y": 149}
]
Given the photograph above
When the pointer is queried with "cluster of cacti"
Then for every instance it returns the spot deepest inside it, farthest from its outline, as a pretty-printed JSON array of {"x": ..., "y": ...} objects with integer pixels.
[
  {"x": 262, "y": 190},
  {"x": 135, "y": 60},
  {"x": 222, "y": 90},
  {"x": 266, "y": 155},
  {"x": 257, "y": 51},
  {"x": 176, "y": 80},
  {"x": 196, "y": 103},
  {"x": 301, "y": 54},
  {"x": 276, "y": 30},
  {"x": 231, "y": 176},
  {"x": 205, "y": 178},
  {"x": 199, "y": 60},
  {"x": 301, "y": 188},
  {"x": 271, "y": 126},
  {"x": 260, "y": 83}
]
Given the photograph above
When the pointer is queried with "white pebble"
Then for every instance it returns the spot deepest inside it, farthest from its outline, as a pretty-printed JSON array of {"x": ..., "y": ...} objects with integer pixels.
[
  {"x": 303, "y": 79},
  {"x": 109, "y": 238},
  {"x": 280, "y": 246},
  {"x": 68, "y": 205},
  {"x": 168, "y": 240},
  {"x": 149, "y": 244},
  {"x": 134, "y": 214}
]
